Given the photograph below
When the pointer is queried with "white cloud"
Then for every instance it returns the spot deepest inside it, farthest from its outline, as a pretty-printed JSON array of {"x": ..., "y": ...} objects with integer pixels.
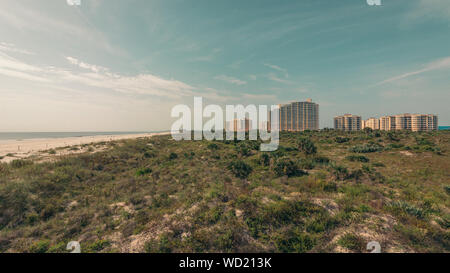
[
  {"x": 35, "y": 19},
  {"x": 84, "y": 65},
  {"x": 274, "y": 78},
  {"x": 12, "y": 48},
  {"x": 97, "y": 76},
  {"x": 426, "y": 9},
  {"x": 439, "y": 64},
  {"x": 231, "y": 80},
  {"x": 276, "y": 67}
]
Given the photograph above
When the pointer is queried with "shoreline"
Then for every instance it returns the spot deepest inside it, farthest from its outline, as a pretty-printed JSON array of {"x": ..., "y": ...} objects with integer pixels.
[{"x": 30, "y": 147}]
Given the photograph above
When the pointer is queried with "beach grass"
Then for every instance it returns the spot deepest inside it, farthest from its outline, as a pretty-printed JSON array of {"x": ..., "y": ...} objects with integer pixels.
[{"x": 324, "y": 191}]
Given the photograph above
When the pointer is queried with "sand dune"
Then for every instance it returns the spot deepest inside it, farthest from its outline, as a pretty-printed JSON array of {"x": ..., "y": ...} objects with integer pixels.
[{"x": 14, "y": 149}]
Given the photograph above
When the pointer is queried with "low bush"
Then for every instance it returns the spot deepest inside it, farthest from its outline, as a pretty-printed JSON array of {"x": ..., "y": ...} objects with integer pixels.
[
  {"x": 143, "y": 171},
  {"x": 286, "y": 166},
  {"x": 240, "y": 169},
  {"x": 306, "y": 164},
  {"x": 357, "y": 158},
  {"x": 39, "y": 247},
  {"x": 366, "y": 148},
  {"x": 264, "y": 159},
  {"x": 322, "y": 160},
  {"x": 407, "y": 208},
  {"x": 341, "y": 139},
  {"x": 213, "y": 146},
  {"x": 173, "y": 156},
  {"x": 352, "y": 242},
  {"x": 20, "y": 163},
  {"x": 294, "y": 241},
  {"x": 340, "y": 172},
  {"x": 306, "y": 146}
]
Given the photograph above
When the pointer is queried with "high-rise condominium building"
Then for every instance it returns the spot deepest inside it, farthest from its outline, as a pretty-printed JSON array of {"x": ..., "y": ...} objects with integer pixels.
[
  {"x": 372, "y": 123},
  {"x": 424, "y": 122},
  {"x": 299, "y": 116},
  {"x": 412, "y": 122},
  {"x": 347, "y": 122},
  {"x": 387, "y": 123}
]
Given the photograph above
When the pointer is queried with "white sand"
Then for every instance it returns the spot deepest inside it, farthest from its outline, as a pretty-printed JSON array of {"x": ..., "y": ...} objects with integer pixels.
[{"x": 30, "y": 147}]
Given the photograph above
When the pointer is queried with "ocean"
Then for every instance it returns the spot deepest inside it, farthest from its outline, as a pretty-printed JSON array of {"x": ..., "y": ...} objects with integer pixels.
[
  {"x": 35, "y": 135},
  {"x": 444, "y": 127}
]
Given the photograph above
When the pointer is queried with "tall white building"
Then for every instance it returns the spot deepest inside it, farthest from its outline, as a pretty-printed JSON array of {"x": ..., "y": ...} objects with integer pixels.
[{"x": 299, "y": 116}]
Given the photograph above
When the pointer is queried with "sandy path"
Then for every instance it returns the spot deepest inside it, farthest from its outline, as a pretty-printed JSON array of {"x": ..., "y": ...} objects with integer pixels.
[{"x": 30, "y": 147}]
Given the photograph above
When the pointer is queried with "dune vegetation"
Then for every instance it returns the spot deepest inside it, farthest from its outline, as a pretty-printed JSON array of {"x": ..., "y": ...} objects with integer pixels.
[{"x": 325, "y": 191}]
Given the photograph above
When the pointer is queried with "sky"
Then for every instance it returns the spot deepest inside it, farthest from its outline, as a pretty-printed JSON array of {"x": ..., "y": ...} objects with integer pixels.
[{"x": 110, "y": 65}]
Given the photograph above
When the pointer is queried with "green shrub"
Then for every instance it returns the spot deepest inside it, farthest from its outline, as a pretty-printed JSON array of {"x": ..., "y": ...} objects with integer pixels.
[
  {"x": 143, "y": 171},
  {"x": 357, "y": 175},
  {"x": 392, "y": 136},
  {"x": 352, "y": 242},
  {"x": 39, "y": 247},
  {"x": 330, "y": 187},
  {"x": 445, "y": 221},
  {"x": 407, "y": 208},
  {"x": 306, "y": 164},
  {"x": 366, "y": 148},
  {"x": 20, "y": 163},
  {"x": 173, "y": 156},
  {"x": 378, "y": 164},
  {"x": 240, "y": 169},
  {"x": 213, "y": 146},
  {"x": 357, "y": 158},
  {"x": 447, "y": 189},
  {"x": 98, "y": 246},
  {"x": 48, "y": 212},
  {"x": 163, "y": 245},
  {"x": 294, "y": 241},
  {"x": 243, "y": 148},
  {"x": 265, "y": 159},
  {"x": 340, "y": 172},
  {"x": 285, "y": 166},
  {"x": 306, "y": 146},
  {"x": 321, "y": 224},
  {"x": 341, "y": 139},
  {"x": 322, "y": 160}
]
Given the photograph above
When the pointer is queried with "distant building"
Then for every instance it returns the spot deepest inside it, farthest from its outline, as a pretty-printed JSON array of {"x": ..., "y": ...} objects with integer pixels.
[
  {"x": 299, "y": 116},
  {"x": 239, "y": 125},
  {"x": 387, "y": 123},
  {"x": 372, "y": 123},
  {"x": 424, "y": 122},
  {"x": 347, "y": 122},
  {"x": 411, "y": 122}
]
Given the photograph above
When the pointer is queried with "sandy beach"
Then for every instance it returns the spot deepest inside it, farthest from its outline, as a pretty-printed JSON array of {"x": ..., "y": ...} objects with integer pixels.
[{"x": 15, "y": 149}]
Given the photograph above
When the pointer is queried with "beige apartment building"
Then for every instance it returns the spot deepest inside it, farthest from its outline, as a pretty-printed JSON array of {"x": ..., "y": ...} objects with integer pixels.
[
  {"x": 424, "y": 122},
  {"x": 387, "y": 123},
  {"x": 372, "y": 123},
  {"x": 347, "y": 122},
  {"x": 411, "y": 122},
  {"x": 299, "y": 116}
]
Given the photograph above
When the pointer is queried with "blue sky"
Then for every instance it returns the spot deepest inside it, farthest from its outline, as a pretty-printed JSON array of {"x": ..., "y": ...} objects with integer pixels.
[{"x": 122, "y": 65}]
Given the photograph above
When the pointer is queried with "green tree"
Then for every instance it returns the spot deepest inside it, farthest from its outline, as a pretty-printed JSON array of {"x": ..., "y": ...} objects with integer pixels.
[{"x": 306, "y": 146}]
